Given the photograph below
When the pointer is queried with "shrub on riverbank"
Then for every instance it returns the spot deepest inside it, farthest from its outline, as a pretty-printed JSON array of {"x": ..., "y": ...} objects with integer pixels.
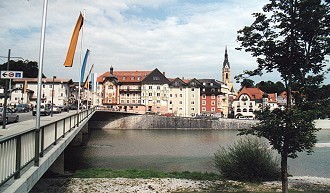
[{"x": 247, "y": 160}]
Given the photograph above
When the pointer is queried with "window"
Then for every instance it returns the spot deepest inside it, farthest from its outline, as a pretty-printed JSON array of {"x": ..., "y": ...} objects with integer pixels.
[
  {"x": 158, "y": 87},
  {"x": 121, "y": 101},
  {"x": 158, "y": 94},
  {"x": 244, "y": 110},
  {"x": 171, "y": 102},
  {"x": 127, "y": 101},
  {"x": 212, "y": 90},
  {"x": 180, "y": 109},
  {"x": 203, "y": 102},
  {"x": 150, "y": 87},
  {"x": 180, "y": 89},
  {"x": 155, "y": 78},
  {"x": 212, "y": 103},
  {"x": 192, "y": 89},
  {"x": 192, "y": 108},
  {"x": 213, "y": 109},
  {"x": 50, "y": 86},
  {"x": 150, "y": 94},
  {"x": 139, "y": 78},
  {"x": 192, "y": 96},
  {"x": 203, "y": 108},
  {"x": 124, "y": 78},
  {"x": 192, "y": 102},
  {"x": 127, "y": 94},
  {"x": 180, "y": 102},
  {"x": 211, "y": 84},
  {"x": 62, "y": 94},
  {"x": 203, "y": 89},
  {"x": 158, "y": 101},
  {"x": 180, "y": 95},
  {"x": 132, "y": 78},
  {"x": 43, "y": 86},
  {"x": 171, "y": 95},
  {"x": 212, "y": 96},
  {"x": 203, "y": 96},
  {"x": 238, "y": 110}
]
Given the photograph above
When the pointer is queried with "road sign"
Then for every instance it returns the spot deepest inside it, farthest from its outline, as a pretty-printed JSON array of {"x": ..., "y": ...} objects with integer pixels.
[{"x": 11, "y": 74}]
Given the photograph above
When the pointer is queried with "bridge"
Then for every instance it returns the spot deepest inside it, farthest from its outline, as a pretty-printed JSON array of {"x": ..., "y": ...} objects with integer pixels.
[{"x": 26, "y": 153}]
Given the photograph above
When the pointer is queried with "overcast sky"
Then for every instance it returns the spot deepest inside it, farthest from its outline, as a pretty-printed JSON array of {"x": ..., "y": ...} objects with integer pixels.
[{"x": 184, "y": 38}]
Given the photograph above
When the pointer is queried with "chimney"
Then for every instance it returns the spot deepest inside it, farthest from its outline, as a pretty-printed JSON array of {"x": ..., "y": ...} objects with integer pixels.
[
  {"x": 111, "y": 70},
  {"x": 164, "y": 73}
]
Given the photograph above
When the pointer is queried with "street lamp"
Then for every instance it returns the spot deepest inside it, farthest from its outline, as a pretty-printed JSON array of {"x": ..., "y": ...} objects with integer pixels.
[{"x": 51, "y": 112}]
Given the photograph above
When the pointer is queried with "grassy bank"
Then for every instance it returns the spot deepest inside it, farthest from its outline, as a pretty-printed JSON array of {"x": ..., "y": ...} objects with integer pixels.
[
  {"x": 146, "y": 174},
  {"x": 218, "y": 184}
]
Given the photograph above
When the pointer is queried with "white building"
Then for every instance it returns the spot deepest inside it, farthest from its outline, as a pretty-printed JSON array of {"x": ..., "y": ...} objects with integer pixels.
[
  {"x": 24, "y": 90},
  {"x": 249, "y": 100}
]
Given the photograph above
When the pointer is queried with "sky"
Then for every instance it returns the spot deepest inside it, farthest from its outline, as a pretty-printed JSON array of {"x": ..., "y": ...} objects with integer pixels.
[{"x": 183, "y": 38}]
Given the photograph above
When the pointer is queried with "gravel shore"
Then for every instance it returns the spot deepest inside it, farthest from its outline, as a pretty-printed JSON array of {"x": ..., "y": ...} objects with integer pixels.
[{"x": 162, "y": 185}]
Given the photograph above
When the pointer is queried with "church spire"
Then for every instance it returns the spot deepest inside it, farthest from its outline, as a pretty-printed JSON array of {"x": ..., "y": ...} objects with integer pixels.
[{"x": 226, "y": 61}]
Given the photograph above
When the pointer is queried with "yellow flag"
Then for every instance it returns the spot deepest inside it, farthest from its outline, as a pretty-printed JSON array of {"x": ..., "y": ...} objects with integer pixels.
[{"x": 73, "y": 44}]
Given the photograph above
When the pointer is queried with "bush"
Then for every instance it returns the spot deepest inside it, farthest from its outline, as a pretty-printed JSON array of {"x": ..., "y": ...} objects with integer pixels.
[{"x": 247, "y": 160}]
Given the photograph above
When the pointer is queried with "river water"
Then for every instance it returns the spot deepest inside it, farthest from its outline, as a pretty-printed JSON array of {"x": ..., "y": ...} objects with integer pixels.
[{"x": 178, "y": 150}]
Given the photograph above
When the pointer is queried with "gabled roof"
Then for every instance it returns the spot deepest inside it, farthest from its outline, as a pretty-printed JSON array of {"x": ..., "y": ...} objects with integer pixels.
[
  {"x": 125, "y": 76},
  {"x": 253, "y": 93},
  {"x": 155, "y": 77}
]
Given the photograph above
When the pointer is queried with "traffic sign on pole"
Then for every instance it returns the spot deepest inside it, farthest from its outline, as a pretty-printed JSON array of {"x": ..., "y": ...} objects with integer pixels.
[{"x": 11, "y": 74}]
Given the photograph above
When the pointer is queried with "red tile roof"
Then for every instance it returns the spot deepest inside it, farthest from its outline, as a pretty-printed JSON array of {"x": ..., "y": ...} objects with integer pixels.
[
  {"x": 257, "y": 94},
  {"x": 126, "y": 76},
  {"x": 254, "y": 93}
]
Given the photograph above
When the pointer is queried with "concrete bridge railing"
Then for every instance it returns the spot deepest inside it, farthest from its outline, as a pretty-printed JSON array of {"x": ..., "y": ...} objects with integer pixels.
[{"x": 22, "y": 150}]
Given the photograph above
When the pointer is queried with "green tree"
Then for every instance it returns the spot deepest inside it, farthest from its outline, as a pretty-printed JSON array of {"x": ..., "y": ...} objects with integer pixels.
[
  {"x": 29, "y": 68},
  {"x": 248, "y": 83},
  {"x": 292, "y": 37},
  {"x": 271, "y": 87}
]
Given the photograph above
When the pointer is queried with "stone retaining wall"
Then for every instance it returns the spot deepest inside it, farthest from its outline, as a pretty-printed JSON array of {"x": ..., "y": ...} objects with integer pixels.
[{"x": 108, "y": 120}]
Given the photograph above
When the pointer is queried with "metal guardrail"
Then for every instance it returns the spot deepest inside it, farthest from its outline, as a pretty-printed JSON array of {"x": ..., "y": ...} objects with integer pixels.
[{"x": 18, "y": 151}]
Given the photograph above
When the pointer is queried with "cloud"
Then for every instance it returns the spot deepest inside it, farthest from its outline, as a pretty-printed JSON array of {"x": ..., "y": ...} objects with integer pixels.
[{"x": 182, "y": 38}]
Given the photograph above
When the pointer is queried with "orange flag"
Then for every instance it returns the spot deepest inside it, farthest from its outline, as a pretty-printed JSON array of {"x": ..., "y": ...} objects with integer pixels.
[{"x": 73, "y": 44}]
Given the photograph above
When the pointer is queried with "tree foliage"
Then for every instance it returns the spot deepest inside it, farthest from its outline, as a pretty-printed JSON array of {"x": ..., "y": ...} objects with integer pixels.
[
  {"x": 248, "y": 83},
  {"x": 271, "y": 87},
  {"x": 293, "y": 38},
  {"x": 29, "y": 68}
]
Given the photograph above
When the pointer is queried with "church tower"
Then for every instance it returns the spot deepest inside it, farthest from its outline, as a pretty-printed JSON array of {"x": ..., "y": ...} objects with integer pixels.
[{"x": 226, "y": 71}]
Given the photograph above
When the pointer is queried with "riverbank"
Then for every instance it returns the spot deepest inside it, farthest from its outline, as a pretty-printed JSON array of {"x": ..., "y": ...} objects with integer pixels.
[{"x": 160, "y": 185}]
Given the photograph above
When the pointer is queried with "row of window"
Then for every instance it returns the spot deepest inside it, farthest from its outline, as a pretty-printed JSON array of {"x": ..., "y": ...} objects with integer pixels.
[
  {"x": 244, "y": 110},
  {"x": 212, "y": 109}
]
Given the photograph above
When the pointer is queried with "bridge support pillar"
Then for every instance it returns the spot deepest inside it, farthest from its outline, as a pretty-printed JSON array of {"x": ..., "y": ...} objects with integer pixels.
[
  {"x": 58, "y": 165},
  {"x": 82, "y": 137}
]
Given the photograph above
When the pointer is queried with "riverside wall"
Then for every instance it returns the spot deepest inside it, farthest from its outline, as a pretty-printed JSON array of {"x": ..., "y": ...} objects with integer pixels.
[{"x": 115, "y": 120}]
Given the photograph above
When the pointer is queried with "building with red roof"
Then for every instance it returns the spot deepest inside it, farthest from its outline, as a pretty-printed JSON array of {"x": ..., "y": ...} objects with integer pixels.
[{"x": 249, "y": 100}]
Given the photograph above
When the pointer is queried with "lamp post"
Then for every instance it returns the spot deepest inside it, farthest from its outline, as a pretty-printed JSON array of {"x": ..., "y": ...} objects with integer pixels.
[{"x": 51, "y": 112}]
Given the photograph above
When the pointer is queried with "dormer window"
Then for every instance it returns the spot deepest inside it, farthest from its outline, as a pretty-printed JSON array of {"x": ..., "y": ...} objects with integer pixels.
[
  {"x": 124, "y": 78},
  {"x": 155, "y": 78},
  {"x": 132, "y": 78}
]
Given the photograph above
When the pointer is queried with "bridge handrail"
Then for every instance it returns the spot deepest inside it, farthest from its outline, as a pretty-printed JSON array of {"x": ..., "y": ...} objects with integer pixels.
[{"x": 18, "y": 150}]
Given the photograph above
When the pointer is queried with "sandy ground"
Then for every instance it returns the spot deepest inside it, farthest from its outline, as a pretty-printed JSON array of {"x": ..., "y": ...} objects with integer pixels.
[{"x": 124, "y": 185}]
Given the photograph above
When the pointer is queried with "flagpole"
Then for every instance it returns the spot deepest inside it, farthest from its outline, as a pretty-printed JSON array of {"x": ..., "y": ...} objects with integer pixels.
[
  {"x": 41, "y": 62},
  {"x": 81, "y": 51}
]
